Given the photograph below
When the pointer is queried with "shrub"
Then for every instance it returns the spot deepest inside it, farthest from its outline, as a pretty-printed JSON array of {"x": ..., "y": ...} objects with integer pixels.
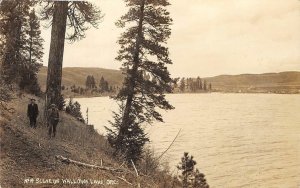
[
  {"x": 189, "y": 176},
  {"x": 74, "y": 109}
]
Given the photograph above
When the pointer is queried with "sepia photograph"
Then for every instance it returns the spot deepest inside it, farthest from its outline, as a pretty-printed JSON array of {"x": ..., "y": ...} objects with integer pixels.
[{"x": 150, "y": 93}]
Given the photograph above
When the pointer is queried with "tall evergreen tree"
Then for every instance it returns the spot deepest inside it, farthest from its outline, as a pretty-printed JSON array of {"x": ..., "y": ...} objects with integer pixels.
[
  {"x": 175, "y": 82},
  {"x": 194, "y": 86},
  {"x": 76, "y": 15},
  {"x": 188, "y": 84},
  {"x": 204, "y": 85},
  {"x": 34, "y": 47},
  {"x": 22, "y": 45},
  {"x": 102, "y": 84},
  {"x": 93, "y": 82},
  {"x": 199, "y": 83},
  {"x": 182, "y": 84},
  {"x": 13, "y": 24},
  {"x": 141, "y": 52},
  {"x": 88, "y": 82}
]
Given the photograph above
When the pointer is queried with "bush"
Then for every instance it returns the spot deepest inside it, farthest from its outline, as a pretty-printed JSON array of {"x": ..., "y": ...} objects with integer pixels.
[
  {"x": 128, "y": 141},
  {"x": 191, "y": 177},
  {"x": 74, "y": 109},
  {"x": 5, "y": 94}
]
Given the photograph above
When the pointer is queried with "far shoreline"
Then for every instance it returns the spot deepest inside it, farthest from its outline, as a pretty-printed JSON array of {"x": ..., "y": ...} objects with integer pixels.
[{"x": 265, "y": 93}]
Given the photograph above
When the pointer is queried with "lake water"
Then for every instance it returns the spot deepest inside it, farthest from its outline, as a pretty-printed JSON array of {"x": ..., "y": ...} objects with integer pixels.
[{"x": 238, "y": 140}]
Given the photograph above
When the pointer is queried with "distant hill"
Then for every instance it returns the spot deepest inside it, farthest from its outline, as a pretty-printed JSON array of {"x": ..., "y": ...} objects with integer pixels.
[
  {"x": 78, "y": 75},
  {"x": 283, "y": 82}
]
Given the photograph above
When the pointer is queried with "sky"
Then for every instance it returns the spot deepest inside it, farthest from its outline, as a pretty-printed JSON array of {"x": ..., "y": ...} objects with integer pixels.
[{"x": 208, "y": 37}]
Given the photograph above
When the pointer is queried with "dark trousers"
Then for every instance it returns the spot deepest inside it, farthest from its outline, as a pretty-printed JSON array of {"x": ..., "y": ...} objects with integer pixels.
[
  {"x": 32, "y": 121},
  {"x": 52, "y": 128}
]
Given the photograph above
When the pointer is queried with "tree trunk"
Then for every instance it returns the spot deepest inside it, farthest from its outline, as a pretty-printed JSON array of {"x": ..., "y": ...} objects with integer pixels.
[
  {"x": 56, "y": 53},
  {"x": 134, "y": 68}
]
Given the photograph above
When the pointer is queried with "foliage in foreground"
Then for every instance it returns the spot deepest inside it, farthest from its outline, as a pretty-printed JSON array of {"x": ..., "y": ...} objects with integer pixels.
[
  {"x": 74, "y": 109},
  {"x": 129, "y": 142},
  {"x": 191, "y": 177}
]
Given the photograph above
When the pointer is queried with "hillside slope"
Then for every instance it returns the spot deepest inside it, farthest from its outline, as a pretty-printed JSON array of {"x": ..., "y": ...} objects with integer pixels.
[
  {"x": 28, "y": 153},
  {"x": 78, "y": 75},
  {"x": 283, "y": 82},
  {"x": 267, "y": 82}
]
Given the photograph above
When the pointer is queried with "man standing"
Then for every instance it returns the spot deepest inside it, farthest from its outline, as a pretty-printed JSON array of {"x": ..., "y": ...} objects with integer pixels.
[
  {"x": 53, "y": 118},
  {"x": 32, "y": 113}
]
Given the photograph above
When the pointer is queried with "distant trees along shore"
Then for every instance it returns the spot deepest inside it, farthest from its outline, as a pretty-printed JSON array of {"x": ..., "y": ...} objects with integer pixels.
[
  {"x": 91, "y": 86},
  {"x": 191, "y": 85}
]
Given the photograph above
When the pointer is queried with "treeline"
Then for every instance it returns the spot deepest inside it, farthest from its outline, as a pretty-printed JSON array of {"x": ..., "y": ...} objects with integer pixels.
[
  {"x": 102, "y": 87},
  {"x": 92, "y": 87},
  {"x": 191, "y": 85}
]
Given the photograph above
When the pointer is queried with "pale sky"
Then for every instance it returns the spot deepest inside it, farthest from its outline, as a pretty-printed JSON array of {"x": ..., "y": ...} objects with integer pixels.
[{"x": 209, "y": 37}]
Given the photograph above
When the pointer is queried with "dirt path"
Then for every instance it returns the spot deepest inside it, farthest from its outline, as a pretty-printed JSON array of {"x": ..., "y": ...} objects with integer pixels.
[{"x": 29, "y": 153}]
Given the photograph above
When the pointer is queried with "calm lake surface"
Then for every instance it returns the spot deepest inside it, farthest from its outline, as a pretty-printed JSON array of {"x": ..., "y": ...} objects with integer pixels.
[{"x": 238, "y": 140}]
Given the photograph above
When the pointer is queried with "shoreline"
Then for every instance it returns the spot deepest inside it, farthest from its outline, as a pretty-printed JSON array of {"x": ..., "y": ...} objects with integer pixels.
[{"x": 216, "y": 92}]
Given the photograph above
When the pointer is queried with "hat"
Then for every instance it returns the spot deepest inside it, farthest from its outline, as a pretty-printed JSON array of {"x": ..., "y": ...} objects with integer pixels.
[
  {"x": 32, "y": 99},
  {"x": 52, "y": 105}
]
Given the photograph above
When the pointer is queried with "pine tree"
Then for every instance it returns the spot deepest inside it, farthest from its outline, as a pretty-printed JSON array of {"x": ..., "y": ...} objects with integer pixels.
[
  {"x": 102, "y": 85},
  {"x": 182, "y": 85},
  {"x": 29, "y": 79},
  {"x": 93, "y": 83},
  {"x": 199, "y": 180},
  {"x": 76, "y": 15},
  {"x": 189, "y": 176},
  {"x": 199, "y": 83},
  {"x": 187, "y": 167},
  {"x": 175, "y": 82},
  {"x": 188, "y": 84},
  {"x": 13, "y": 24},
  {"x": 22, "y": 45},
  {"x": 74, "y": 109},
  {"x": 204, "y": 85},
  {"x": 88, "y": 82},
  {"x": 106, "y": 86},
  {"x": 141, "y": 52}
]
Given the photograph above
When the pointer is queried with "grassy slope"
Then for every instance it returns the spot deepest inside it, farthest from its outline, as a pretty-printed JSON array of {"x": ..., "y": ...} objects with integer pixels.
[
  {"x": 268, "y": 81},
  {"x": 27, "y": 152},
  {"x": 247, "y": 82},
  {"x": 78, "y": 75}
]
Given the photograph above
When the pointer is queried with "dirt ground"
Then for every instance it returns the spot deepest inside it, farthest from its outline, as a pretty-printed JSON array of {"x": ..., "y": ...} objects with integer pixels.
[{"x": 28, "y": 155}]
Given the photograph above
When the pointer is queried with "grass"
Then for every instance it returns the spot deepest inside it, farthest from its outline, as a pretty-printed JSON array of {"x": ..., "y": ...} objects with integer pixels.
[
  {"x": 29, "y": 153},
  {"x": 78, "y": 75}
]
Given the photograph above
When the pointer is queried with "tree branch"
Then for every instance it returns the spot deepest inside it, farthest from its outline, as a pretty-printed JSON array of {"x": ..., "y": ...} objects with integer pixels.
[
  {"x": 70, "y": 161},
  {"x": 169, "y": 145}
]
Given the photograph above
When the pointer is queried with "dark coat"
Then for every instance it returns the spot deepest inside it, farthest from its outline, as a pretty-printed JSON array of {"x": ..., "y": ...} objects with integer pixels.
[
  {"x": 53, "y": 115},
  {"x": 32, "y": 110}
]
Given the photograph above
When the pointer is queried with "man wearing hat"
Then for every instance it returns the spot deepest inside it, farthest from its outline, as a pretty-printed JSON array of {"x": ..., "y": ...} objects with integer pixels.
[
  {"x": 32, "y": 112},
  {"x": 53, "y": 118}
]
